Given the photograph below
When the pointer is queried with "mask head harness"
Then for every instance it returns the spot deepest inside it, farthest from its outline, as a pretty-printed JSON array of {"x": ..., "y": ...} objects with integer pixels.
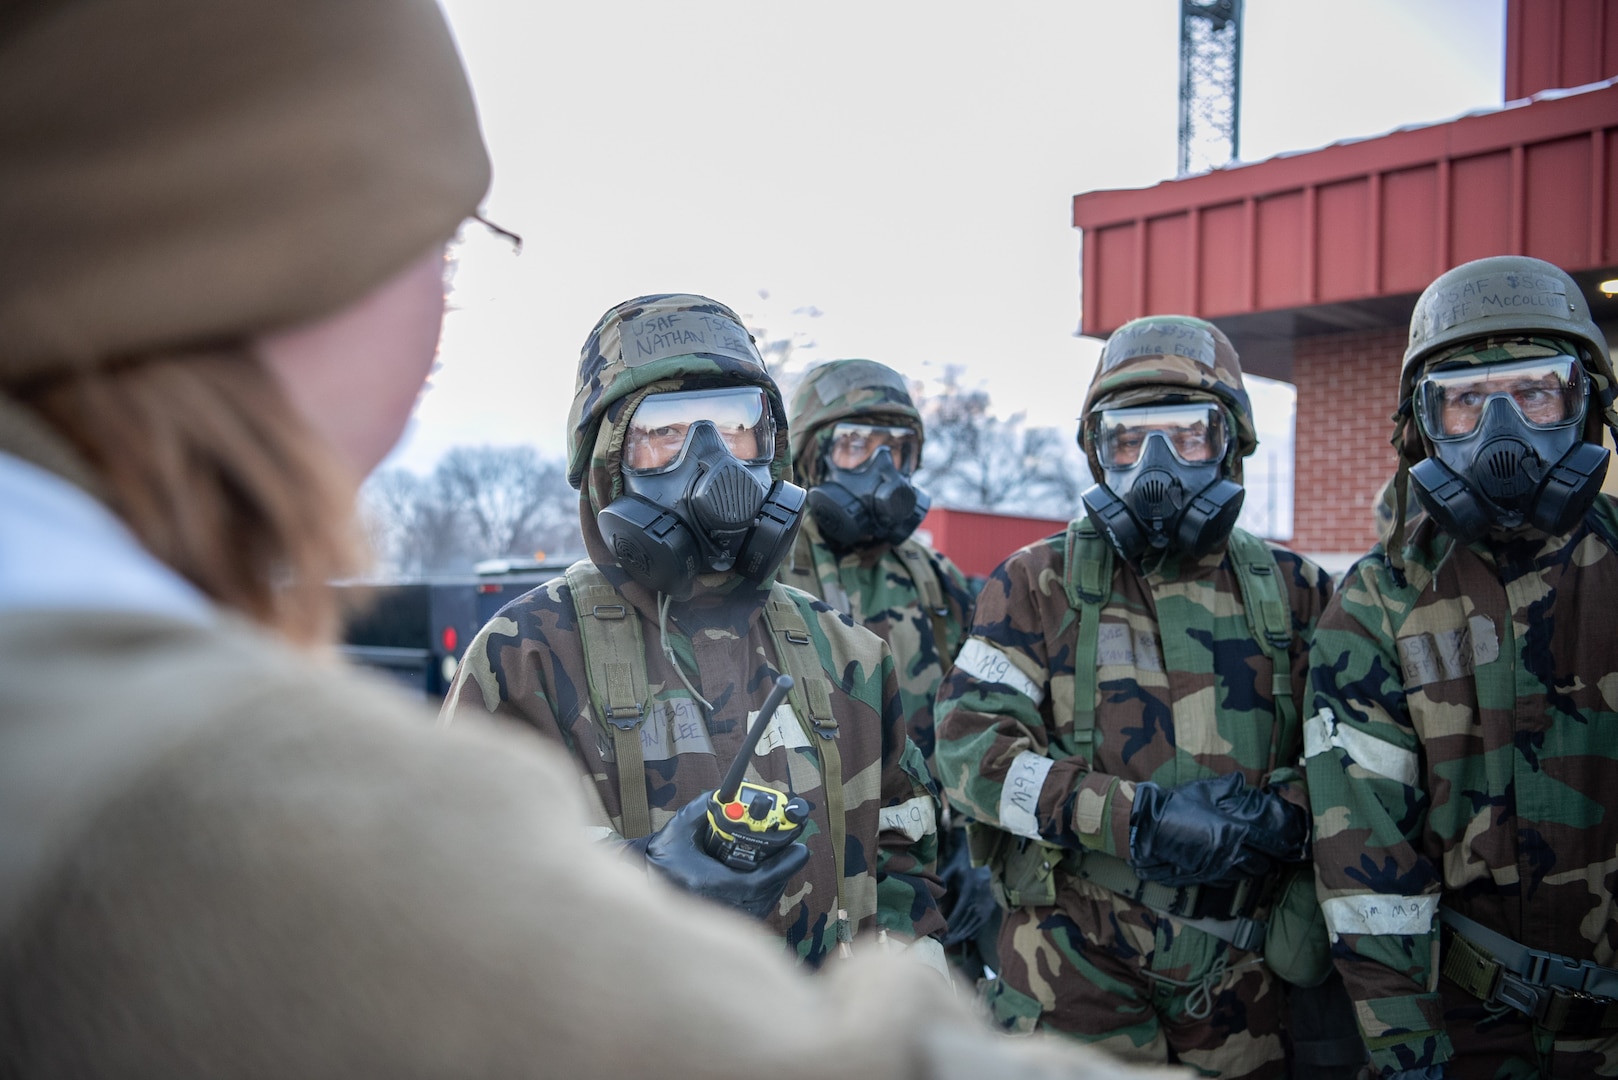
[
  {"x": 1495, "y": 428},
  {"x": 1164, "y": 486},
  {"x": 1165, "y": 426},
  {"x": 698, "y": 495},
  {"x": 865, "y": 495}
]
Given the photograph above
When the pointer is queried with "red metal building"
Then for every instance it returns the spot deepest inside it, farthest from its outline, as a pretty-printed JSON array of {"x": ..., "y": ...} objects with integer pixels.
[
  {"x": 1312, "y": 262},
  {"x": 978, "y": 542}
]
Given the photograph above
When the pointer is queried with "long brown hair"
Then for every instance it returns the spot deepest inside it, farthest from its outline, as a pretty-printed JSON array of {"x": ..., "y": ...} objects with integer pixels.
[{"x": 207, "y": 462}]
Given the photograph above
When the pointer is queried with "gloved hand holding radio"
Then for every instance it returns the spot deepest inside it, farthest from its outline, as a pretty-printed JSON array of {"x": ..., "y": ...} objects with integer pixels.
[
  {"x": 676, "y": 852},
  {"x": 1214, "y": 831}
]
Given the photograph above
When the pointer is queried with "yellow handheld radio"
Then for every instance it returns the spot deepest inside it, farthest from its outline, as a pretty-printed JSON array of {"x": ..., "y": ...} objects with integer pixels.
[{"x": 747, "y": 823}]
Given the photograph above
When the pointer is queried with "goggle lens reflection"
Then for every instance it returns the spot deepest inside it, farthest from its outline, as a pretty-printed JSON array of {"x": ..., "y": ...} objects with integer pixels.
[
  {"x": 662, "y": 423},
  {"x": 1195, "y": 432},
  {"x": 852, "y": 445},
  {"x": 1547, "y": 393}
]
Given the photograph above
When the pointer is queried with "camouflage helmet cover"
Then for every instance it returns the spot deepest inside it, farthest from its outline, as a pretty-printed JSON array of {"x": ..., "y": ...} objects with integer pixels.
[
  {"x": 1167, "y": 356},
  {"x": 669, "y": 341},
  {"x": 1504, "y": 296},
  {"x": 841, "y": 390}
]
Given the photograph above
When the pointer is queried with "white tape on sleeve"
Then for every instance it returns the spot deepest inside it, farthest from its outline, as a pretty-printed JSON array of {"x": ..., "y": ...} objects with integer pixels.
[
  {"x": 1019, "y": 798},
  {"x": 913, "y": 817},
  {"x": 1379, "y": 913},
  {"x": 1322, "y": 732},
  {"x": 988, "y": 664}
]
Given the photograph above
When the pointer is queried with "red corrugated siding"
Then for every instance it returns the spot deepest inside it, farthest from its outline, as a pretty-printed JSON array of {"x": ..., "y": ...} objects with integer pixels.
[
  {"x": 979, "y": 542},
  {"x": 1357, "y": 221},
  {"x": 1552, "y": 44}
]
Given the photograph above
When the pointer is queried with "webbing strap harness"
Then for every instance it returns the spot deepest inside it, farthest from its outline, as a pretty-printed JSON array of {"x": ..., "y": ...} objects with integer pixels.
[
  {"x": 814, "y": 576},
  {"x": 811, "y": 700},
  {"x": 1213, "y": 911},
  {"x": 925, "y": 576},
  {"x": 1087, "y": 580},
  {"x": 1560, "y": 994},
  {"x": 615, "y": 662},
  {"x": 615, "y": 659}
]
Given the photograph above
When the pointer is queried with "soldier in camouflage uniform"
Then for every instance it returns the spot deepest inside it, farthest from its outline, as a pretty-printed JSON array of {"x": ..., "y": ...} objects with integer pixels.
[
  {"x": 856, "y": 440},
  {"x": 1169, "y": 779},
  {"x": 708, "y": 643},
  {"x": 853, "y": 421},
  {"x": 1464, "y": 695}
]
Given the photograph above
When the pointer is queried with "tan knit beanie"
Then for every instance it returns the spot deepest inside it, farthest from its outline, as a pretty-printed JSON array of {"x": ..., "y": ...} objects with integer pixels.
[{"x": 175, "y": 173}]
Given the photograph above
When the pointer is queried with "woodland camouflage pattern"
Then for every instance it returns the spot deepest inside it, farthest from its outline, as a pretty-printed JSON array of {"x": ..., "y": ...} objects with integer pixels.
[
  {"x": 1172, "y": 706},
  {"x": 873, "y": 585},
  {"x": 528, "y": 665},
  {"x": 1461, "y": 746}
]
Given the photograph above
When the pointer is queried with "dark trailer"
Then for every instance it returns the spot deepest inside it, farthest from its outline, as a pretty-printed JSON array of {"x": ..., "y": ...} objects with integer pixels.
[{"x": 416, "y": 631}]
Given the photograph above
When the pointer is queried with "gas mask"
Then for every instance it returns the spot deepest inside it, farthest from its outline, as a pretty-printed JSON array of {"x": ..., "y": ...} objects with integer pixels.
[
  {"x": 698, "y": 497},
  {"x": 1508, "y": 447},
  {"x": 1162, "y": 488},
  {"x": 866, "y": 496}
]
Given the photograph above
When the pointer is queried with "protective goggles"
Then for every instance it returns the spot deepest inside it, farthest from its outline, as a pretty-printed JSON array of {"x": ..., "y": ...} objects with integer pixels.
[
  {"x": 1194, "y": 431},
  {"x": 662, "y": 423},
  {"x": 852, "y": 445},
  {"x": 1547, "y": 392}
]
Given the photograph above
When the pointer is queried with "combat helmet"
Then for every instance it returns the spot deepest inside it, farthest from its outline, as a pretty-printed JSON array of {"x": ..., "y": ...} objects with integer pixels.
[
  {"x": 705, "y": 511},
  {"x": 687, "y": 341},
  {"x": 1161, "y": 357},
  {"x": 1155, "y": 497},
  {"x": 1486, "y": 303},
  {"x": 840, "y": 390},
  {"x": 864, "y": 500},
  {"x": 1508, "y": 295}
]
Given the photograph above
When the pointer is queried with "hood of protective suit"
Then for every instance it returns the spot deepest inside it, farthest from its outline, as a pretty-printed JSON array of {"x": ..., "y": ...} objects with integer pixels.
[
  {"x": 653, "y": 344},
  {"x": 844, "y": 390},
  {"x": 1167, "y": 358}
]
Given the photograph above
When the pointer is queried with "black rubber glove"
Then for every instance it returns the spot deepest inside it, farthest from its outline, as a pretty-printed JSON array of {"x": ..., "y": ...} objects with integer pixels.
[
  {"x": 675, "y": 851},
  {"x": 1212, "y": 832},
  {"x": 972, "y": 906}
]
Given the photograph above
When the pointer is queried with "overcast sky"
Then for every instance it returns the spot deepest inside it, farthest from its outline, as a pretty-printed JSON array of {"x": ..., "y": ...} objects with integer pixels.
[{"x": 881, "y": 179}]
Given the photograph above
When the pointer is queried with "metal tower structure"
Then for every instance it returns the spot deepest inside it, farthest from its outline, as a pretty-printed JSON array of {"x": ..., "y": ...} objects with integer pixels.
[{"x": 1210, "y": 83}]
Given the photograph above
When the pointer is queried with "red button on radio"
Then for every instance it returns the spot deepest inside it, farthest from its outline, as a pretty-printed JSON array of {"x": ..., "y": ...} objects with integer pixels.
[{"x": 734, "y": 811}]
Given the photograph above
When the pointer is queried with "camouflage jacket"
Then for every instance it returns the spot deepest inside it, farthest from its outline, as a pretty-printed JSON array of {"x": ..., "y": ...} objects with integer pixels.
[
  {"x": 1461, "y": 750},
  {"x": 1171, "y": 705},
  {"x": 874, "y": 587},
  {"x": 528, "y": 665}
]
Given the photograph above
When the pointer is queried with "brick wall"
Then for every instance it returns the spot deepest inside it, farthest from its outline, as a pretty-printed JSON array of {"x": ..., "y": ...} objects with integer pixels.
[{"x": 1348, "y": 387}]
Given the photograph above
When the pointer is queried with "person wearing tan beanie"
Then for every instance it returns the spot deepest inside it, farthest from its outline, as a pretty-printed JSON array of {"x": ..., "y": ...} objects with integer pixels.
[{"x": 222, "y": 226}]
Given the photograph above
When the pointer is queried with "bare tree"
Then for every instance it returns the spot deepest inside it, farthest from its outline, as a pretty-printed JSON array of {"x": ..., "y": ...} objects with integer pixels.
[
  {"x": 479, "y": 503},
  {"x": 975, "y": 460}
]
